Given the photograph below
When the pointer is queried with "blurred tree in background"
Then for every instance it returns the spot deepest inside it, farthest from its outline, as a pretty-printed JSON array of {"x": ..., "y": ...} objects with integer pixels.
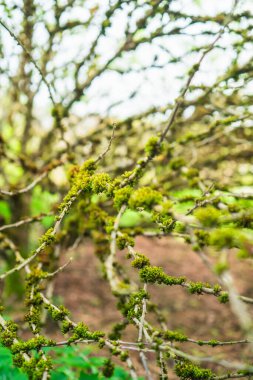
[{"x": 119, "y": 119}]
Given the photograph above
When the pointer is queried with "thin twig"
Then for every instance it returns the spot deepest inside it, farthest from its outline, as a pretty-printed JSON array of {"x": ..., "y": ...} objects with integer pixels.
[
  {"x": 4, "y": 25},
  {"x": 102, "y": 155},
  {"x": 25, "y": 189},
  {"x": 26, "y": 221}
]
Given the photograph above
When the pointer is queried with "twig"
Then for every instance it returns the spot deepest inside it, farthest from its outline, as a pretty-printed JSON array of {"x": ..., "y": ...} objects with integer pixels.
[
  {"x": 43, "y": 245},
  {"x": 110, "y": 260},
  {"x": 31, "y": 59},
  {"x": 102, "y": 155},
  {"x": 25, "y": 189},
  {"x": 60, "y": 269},
  {"x": 141, "y": 326},
  {"x": 25, "y": 221}
]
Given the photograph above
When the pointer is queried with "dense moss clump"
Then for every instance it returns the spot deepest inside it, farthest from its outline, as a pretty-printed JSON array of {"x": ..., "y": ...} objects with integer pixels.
[
  {"x": 133, "y": 308},
  {"x": 196, "y": 287},
  {"x": 32, "y": 344},
  {"x": 82, "y": 332},
  {"x": 121, "y": 196},
  {"x": 152, "y": 147},
  {"x": 9, "y": 334},
  {"x": 100, "y": 182},
  {"x": 208, "y": 216},
  {"x": 48, "y": 238},
  {"x": 144, "y": 197},
  {"x": 108, "y": 368},
  {"x": 58, "y": 314},
  {"x": 202, "y": 237},
  {"x": 224, "y": 238},
  {"x": 140, "y": 261},
  {"x": 174, "y": 336},
  {"x": 124, "y": 241},
  {"x": 165, "y": 222},
  {"x": 35, "y": 367},
  {"x": 156, "y": 275},
  {"x": 223, "y": 297},
  {"x": 186, "y": 370}
]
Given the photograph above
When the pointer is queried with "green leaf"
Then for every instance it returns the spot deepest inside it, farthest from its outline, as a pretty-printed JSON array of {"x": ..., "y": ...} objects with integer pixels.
[
  {"x": 85, "y": 376},
  {"x": 42, "y": 200},
  {"x": 5, "y": 211},
  {"x": 59, "y": 376},
  {"x": 77, "y": 361},
  {"x": 133, "y": 218}
]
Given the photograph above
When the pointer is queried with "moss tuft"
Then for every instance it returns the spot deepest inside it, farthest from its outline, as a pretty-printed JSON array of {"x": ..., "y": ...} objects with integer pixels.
[
  {"x": 186, "y": 370},
  {"x": 144, "y": 197}
]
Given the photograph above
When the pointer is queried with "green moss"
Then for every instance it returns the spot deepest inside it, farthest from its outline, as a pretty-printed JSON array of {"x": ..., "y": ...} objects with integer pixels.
[
  {"x": 140, "y": 261},
  {"x": 174, "y": 336},
  {"x": 244, "y": 253},
  {"x": 109, "y": 224},
  {"x": 124, "y": 241},
  {"x": 213, "y": 343},
  {"x": 7, "y": 337},
  {"x": 217, "y": 289},
  {"x": 144, "y": 197},
  {"x": 89, "y": 166},
  {"x": 32, "y": 344},
  {"x": 202, "y": 237},
  {"x": 167, "y": 207},
  {"x": 73, "y": 172},
  {"x": 81, "y": 332},
  {"x": 188, "y": 371},
  {"x": 100, "y": 182},
  {"x": 81, "y": 182},
  {"x": 196, "y": 287},
  {"x": 11, "y": 326},
  {"x": 132, "y": 176},
  {"x": 48, "y": 238},
  {"x": 108, "y": 368},
  {"x": 208, "y": 216},
  {"x": 117, "y": 330},
  {"x": 35, "y": 276},
  {"x": 18, "y": 360},
  {"x": 179, "y": 227},
  {"x": 97, "y": 217},
  {"x": 156, "y": 275},
  {"x": 35, "y": 367},
  {"x": 124, "y": 356},
  {"x": 33, "y": 317},
  {"x": 66, "y": 327},
  {"x": 191, "y": 173},
  {"x": 233, "y": 208},
  {"x": 152, "y": 147},
  {"x": 133, "y": 308},
  {"x": 224, "y": 238},
  {"x": 121, "y": 196},
  {"x": 58, "y": 314},
  {"x": 101, "y": 343},
  {"x": 164, "y": 222},
  {"x": 223, "y": 297},
  {"x": 177, "y": 163}
]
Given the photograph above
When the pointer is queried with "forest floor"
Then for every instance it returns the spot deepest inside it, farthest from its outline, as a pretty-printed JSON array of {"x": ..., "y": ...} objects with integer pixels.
[{"x": 84, "y": 291}]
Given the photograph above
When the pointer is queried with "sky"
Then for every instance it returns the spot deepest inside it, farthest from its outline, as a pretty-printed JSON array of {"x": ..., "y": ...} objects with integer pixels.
[{"x": 151, "y": 87}]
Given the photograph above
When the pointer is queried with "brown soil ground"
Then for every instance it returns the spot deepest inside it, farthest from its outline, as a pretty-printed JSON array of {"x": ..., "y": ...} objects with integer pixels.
[{"x": 84, "y": 291}]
